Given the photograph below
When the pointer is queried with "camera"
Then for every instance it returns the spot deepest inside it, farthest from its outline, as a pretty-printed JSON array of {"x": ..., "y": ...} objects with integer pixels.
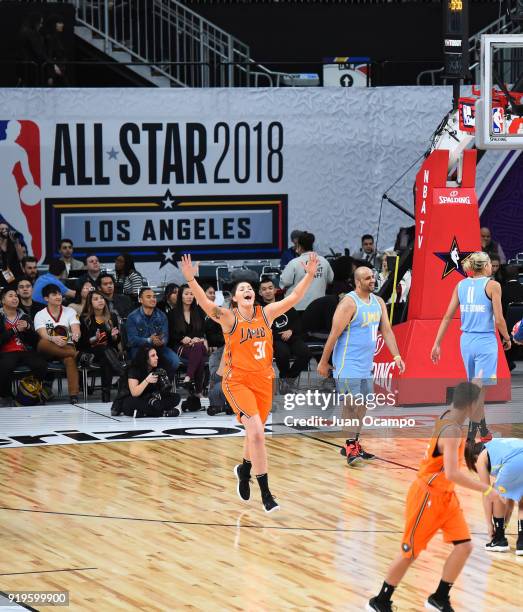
[{"x": 164, "y": 384}]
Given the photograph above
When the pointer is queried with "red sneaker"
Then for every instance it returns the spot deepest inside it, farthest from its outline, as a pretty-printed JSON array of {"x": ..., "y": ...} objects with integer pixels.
[
  {"x": 486, "y": 438},
  {"x": 352, "y": 452}
]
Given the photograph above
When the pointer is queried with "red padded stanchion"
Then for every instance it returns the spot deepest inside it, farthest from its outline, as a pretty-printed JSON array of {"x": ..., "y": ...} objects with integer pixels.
[{"x": 447, "y": 231}]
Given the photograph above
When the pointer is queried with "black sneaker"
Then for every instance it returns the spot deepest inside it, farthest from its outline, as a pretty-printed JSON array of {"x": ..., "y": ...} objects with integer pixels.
[
  {"x": 243, "y": 487},
  {"x": 364, "y": 454},
  {"x": 379, "y": 606},
  {"x": 172, "y": 412},
  {"x": 351, "y": 452},
  {"x": 73, "y": 399},
  {"x": 86, "y": 360},
  {"x": 519, "y": 546},
  {"x": 269, "y": 503},
  {"x": 443, "y": 605},
  {"x": 497, "y": 544}
]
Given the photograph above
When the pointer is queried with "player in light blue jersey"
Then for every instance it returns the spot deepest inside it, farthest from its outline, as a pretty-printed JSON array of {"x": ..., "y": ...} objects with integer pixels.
[
  {"x": 479, "y": 300},
  {"x": 352, "y": 343},
  {"x": 501, "y": 459}
]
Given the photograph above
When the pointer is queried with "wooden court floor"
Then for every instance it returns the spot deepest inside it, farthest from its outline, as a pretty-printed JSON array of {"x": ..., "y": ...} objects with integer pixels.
[{"x": 157, "y": 526}]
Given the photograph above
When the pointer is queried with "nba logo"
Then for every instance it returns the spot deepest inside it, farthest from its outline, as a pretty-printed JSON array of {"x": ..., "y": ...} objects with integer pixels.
[
  {"x": 20, "y": 179},
  {"x": 497, "y": 120}
]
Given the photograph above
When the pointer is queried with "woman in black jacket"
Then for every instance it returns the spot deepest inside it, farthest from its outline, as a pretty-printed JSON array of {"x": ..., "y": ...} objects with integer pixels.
[
  {"x": 18, "y": 341},
  {"x": 186, "y": 337},
  {"x": 100, "y": 334}
]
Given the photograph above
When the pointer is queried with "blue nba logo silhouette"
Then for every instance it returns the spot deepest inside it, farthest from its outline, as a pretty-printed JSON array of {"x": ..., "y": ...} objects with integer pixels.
[
  {"x": 17, "y": 151},
  {"x": 497, "y": 120}
]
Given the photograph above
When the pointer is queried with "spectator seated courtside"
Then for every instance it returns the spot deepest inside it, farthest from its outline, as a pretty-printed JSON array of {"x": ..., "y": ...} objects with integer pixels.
[
  {"x": 56, "y": 268},
  {"x": 186, "y": 337},
  {"x": 101, "y": 336},
  {"x": 147, "y": 326},
  {"x": 59, "y": 330},
  {"x": 30, "y": 268},
  {"x": 120, "y": 304},
  {"x": 128, "y": 279},
  {"x": 92, "y": 272},
  {"x": 18, "y": 341},
  {"x": 24, "y": 289},
  {"x": 66, "y": 255},
  {"x": 170, "y": 296},
  {"x": 213, "y": 333},
  {"x": 491, "y": 247},
  {"x": 81, "y": 297}
]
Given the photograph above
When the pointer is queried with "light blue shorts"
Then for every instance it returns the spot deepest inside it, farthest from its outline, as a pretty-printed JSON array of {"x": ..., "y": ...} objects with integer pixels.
[
  {"x": 353, "y": 378},
  {"x": 509, "y": 481},
  {"x": 480, "y": 354}
]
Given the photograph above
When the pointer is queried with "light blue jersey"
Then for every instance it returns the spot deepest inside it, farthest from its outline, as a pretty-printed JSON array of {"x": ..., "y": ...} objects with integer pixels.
[
  {"x": 479, "y": 344},
  {"x": 354, "y": 351},
  {"x": 477, "y": 315},
  {"x": 506, "y": 463}
]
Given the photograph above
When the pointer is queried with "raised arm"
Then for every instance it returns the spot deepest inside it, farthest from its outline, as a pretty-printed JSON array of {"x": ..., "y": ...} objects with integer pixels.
[
  {"x": 495, "y": 296},
  {"x": 342, "y": 317},
  {"x": 445, "y": 322},
  {"x": 389, "y": 337},
  {"x": 223, "y": 316},
  {"x": 274, "y": 310}
]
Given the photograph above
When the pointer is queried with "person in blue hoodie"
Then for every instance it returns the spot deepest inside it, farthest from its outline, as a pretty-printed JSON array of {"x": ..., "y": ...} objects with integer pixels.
[{"x": 147, "y": 326}]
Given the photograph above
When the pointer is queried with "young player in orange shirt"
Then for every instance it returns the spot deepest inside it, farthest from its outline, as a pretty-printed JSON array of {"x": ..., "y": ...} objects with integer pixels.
[
  {"x": 248, "y": 378},
  {"x": 433, "y": 505}
]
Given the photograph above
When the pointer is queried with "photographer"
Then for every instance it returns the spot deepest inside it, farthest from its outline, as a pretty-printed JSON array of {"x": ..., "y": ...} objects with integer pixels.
[
  {"x": 149, "y": 389},
  {"x": 11, "y": 252}
]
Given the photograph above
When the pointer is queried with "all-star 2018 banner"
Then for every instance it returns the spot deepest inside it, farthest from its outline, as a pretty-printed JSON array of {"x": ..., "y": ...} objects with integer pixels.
[{"x": 219, "y": 173}]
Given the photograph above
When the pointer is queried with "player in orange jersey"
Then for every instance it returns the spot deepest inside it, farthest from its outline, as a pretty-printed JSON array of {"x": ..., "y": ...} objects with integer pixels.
[
  {"x": 248, "y": 378},
  {"x": 432, "y": 504}
]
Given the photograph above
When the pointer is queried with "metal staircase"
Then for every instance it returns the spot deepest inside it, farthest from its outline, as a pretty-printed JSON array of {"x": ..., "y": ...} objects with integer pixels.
[
  {"x": 503, "y": 25},
  {"x": 167, "y": 44}
]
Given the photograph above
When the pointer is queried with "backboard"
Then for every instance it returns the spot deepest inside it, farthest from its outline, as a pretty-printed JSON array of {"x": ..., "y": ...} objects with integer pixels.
[{"x": 499, "y": 116}]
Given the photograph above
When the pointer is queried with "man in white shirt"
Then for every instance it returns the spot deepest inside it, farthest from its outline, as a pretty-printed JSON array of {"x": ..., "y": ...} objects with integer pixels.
[
  {"x": 294, "y": 271},
  {"x": 59, "y": 329}
]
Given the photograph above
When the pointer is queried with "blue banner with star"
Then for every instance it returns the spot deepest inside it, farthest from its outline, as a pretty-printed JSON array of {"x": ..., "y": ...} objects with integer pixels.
[{"x": 162, "y": 228}]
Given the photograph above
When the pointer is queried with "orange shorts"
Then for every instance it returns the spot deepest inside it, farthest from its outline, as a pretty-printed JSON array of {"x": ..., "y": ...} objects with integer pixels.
[
  {"x": 249, "y": 393},
  {"x": 426, "y": 513}
]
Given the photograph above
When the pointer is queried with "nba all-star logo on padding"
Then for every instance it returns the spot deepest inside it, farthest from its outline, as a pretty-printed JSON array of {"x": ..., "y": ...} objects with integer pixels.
[
  {"x": 20, "y": 180},
  {"x": 453, "y": 259}
]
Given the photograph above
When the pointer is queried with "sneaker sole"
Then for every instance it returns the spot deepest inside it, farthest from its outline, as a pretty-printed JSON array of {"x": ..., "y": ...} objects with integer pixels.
[
  {"x": 369, "y": 608},
  {"x": 238, "y": 483},
  {"x": 429, "y": 606},
  {"x": 275, "y": 509},
  {"x": 519, "y": 553},
  {"x": 355, "y": 461},
  {"x": 499, "y": 549}
]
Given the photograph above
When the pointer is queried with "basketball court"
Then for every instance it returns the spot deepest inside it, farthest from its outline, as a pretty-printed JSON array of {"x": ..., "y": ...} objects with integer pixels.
[{"x": 143, "y": 514}]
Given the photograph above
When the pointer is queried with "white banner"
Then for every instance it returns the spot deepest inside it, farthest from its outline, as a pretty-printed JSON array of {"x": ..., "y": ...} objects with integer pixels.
[{"x": 220, "y": 173}]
